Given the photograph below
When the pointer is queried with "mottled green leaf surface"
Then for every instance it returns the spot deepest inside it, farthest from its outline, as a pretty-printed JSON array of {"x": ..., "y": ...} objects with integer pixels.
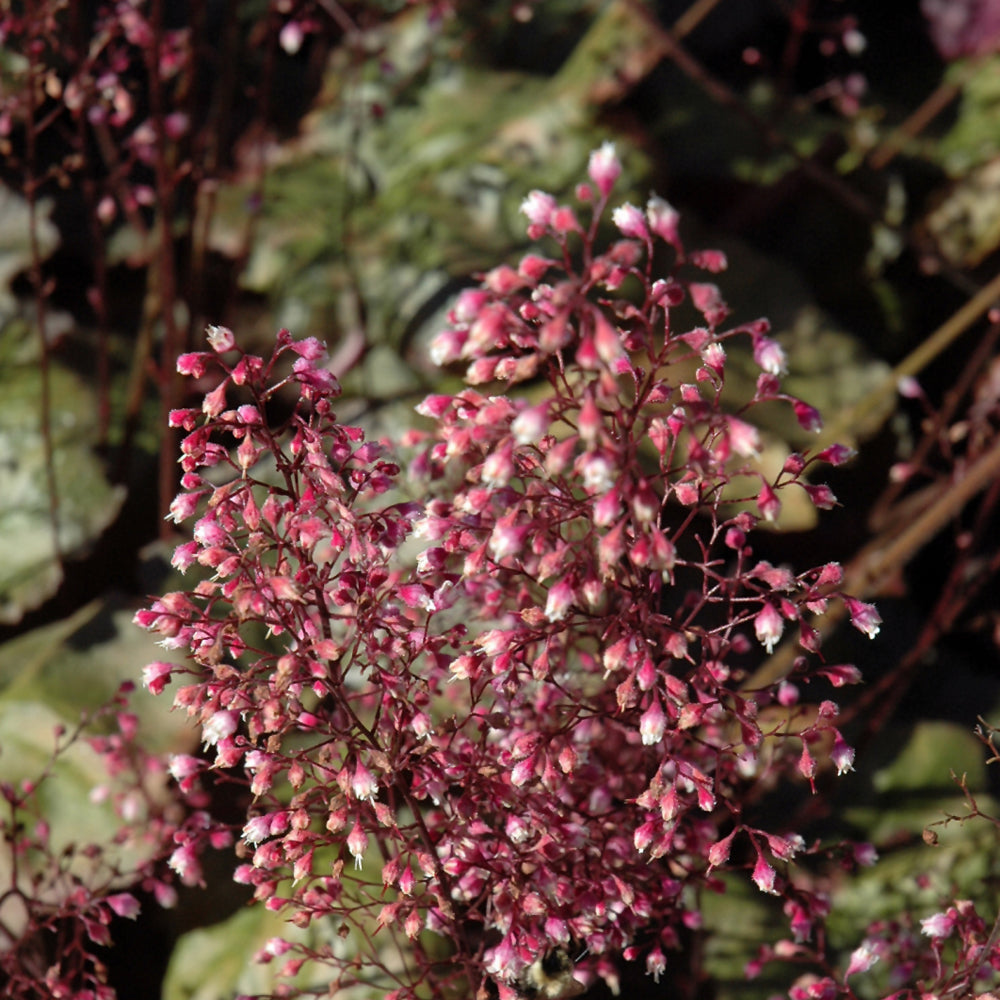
[
  {"x": 974, "y": 138},
  {"x": 916, "y": 786},
  {"x": 86, "y": 503},
  {"x": 218, "y": 962},
  {"x": 964, "y": 220},
  {"x": 370, "y": 223},
  {"x": 15, "y": 239}
]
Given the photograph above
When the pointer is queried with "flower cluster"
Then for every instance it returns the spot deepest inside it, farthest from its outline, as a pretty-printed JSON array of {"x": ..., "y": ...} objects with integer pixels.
[
  {"x": 61, "y": 898},
  {"x": 514, "y": 676},
  {"x": 95, "y": 92},
  {"x": 953, "y": 952}
]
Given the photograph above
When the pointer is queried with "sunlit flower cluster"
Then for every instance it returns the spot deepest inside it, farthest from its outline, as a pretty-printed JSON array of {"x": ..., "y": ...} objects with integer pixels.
[{"x": 516, "y": 661}]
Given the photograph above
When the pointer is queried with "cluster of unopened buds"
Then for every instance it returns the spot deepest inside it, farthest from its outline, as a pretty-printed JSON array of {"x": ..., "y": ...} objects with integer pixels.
[{"x": 517, "y": 662}]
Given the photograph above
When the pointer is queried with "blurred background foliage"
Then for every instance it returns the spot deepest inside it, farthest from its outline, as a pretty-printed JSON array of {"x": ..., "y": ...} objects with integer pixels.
[{"x": 343, "y": 169}]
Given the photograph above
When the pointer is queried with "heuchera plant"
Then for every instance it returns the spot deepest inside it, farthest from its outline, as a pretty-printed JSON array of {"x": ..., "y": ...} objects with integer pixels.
[
  {"x": 507, "y": 682},
  {"x": 60, "y": 899}
]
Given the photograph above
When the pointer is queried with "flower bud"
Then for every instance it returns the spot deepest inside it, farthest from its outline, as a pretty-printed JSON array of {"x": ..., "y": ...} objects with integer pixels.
[{"x": 604, "y": 168}]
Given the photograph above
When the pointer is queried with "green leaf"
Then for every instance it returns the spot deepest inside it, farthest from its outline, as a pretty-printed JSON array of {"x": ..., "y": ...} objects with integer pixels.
[
  {"x": 974, "y": 139},
  {"x": 218, "y": 962},
  {"x": 917, "y": 787},
  {"x": 417, "y": 200},
  {"x": 16, "y": 236},
  {"x": 86, "y": 503}
]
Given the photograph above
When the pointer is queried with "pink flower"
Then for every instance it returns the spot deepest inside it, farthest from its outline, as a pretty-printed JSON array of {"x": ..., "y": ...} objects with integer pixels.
[
  {"x": 864, "y": 617},
  {"x": 764, "y": 876},
  {"x": 644, "y": 835},
  {"x": 285, "y": 588},
  {"x": 710, "y": 260},
  {"x": 842, "y": 756},
  {"x": 291, "y": 37},
  {"x": 523, "y": 771},
  {"x": 256, "y": 830},
  {"x": 708, "y": 301},
  {"x": 534, "y": 267},
  {"x": 407, "y": 881},
  {"x": 193, "y": 364},
  {"x": 531, "y": 424},
  {"x": 744, "y": 437},
  {"x": 938, "y": 925},
  {"x": 768, "y": 503},
  {"x": 357, "y": 843},
  {"x": 714, "y": 356},
  {"x": 645, "y": 503},
  {"x": 785, "y": 848},
  {"x": 364, "y": 784},
  {"x": 768, "y": 625},
  {"x": 610, "y": 549},
  {"x": 607, "y": 340},
  {"x": 276, "y": 947},
  {"x": 590, "y": 420},
  {"x": 652, "y": 723},
  {"x": 248, "y": 414},
  {"x": 962, "y": 27},
  {"x": 184, "y": 555},
  {"x": 219, "y": 726},
  {"x": 499, "y": 465},
  {"x": 769, "y": 356},
  {"x": 184, "y": 766},
  {"x": 309, "y": 348},
  {"x": 156, "y": 675},
  {"x": 794, "y": 465},
  {"x": 835, "y": 454},
  {"x": 630, "y": 221},
  {"x": 807, "y": 765},
  {"x": 184, "y": 861},
  {"x": 840, "y": 674},
  {"x": 656, "y": 964},
  {"x": 564, "y": 220},
  {"x": 447, "y": 346},
  {"x": 220, "y": 338},
  {"x": 822, "y": 496},
  {"x": 664, "y": 220},
  {"x": 215, "y": 402},
  {"x": 538, "y": 207},
  {"x": 503, "y": 280},
  {"x": 862, "y": 959},
  {"x": 124, "y": 904},
  {"x": 508, "y": 540},
  {"x": 807, "y": 416},
  {"x": 493, "y": 642},
  {"x": 559, "y": 601},
  {"x": 604, "y": 168},
  {"x": 865, "y": 854},
  {"x": 186, "y": 418},
  {"x": 800, "y": 922},
  {"x": 718, "y": 853},
  {"x": 608, "y": 509}
]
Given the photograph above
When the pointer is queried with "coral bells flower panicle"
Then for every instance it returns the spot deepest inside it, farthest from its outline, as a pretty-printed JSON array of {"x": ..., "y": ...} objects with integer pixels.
[{"x": 522, "y": 684}]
